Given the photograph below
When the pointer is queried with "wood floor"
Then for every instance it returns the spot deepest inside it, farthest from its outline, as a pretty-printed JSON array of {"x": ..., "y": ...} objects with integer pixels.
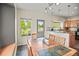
[{"x": 22, "y": 50}]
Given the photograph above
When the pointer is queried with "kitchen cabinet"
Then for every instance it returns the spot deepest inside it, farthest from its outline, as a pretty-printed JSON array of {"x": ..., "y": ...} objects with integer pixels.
[
  {"x": 72, "y": 41},
  {"x": 77, "y": 22},
  {"x": 71, "y": 23},
  {"x": 67, "y": 23}
]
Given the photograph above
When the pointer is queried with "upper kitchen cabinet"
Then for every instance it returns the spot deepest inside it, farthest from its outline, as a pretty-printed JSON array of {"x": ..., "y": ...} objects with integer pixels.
[
  {"x": 74, "y": 23},
  {"x": 67, "y": 23},
  {"x": 77, "y": 22},
  {"x": 71, "y": 23}
]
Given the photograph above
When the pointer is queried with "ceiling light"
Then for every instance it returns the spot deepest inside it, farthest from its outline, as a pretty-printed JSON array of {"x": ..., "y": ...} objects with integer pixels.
[
  {"x": 45, "y": 8},
  {"x": 45, "y": 11},
  {"x": 59, "y": 10},
  {"x": 75, "y": 7},
  {"x": 57, "y": 3},
  {"x": 50, "y": 4},
  {"x": 69, "y": 5},
  {"x": 72, "y": 12},
  {"x": 50, "y": 8}
]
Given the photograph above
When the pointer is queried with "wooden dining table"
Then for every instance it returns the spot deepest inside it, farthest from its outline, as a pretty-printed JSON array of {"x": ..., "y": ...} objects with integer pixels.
[{"x": 36, "y": 45}]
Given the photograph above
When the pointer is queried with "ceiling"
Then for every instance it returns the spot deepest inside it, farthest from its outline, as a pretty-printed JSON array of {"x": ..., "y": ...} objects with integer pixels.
[
  {"x": 32, "y": 6},
  {"x": 61, "y": 9}
]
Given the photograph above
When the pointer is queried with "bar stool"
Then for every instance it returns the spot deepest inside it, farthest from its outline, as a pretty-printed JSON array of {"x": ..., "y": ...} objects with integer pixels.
[{"x": 30, "y": 53}]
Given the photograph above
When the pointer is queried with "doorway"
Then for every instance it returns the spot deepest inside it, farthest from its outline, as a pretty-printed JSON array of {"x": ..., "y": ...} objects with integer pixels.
[{"x": 40, "y": 28}]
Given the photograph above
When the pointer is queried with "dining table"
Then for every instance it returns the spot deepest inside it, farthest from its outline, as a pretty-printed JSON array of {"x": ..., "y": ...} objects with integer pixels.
[{"x": 39, "y": 48}]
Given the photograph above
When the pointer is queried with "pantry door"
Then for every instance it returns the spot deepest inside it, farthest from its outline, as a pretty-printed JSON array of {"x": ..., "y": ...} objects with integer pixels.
[{"x": 40, "y": 28}]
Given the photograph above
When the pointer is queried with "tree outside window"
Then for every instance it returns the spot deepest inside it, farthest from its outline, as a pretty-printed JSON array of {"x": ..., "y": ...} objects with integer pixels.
[
  {"x": 25, "y": 27},
  {"x": 56, "y": 25}
]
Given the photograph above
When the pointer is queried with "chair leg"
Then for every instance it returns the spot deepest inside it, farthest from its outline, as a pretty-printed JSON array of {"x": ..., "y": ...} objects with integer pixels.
[{"x": 30, "y": 53}]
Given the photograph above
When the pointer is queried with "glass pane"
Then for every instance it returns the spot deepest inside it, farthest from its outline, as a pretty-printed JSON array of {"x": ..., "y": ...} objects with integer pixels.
[
  {"x": 56, "y": 25},
  {"x": 25, "y": 26},
  {"x": 40, "y": 25}
]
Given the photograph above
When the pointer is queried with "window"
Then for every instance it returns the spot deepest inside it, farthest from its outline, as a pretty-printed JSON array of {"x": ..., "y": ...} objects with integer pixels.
[
  {"x": 56, "y": 25},
  {"x": 40, "y": 25},
  {"x": 40, "y": 28},
  {"x": 25, "y": 27}
]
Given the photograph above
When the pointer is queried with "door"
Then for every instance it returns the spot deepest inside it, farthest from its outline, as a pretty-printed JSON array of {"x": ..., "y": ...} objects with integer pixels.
[{"x": 40, "y": 28}]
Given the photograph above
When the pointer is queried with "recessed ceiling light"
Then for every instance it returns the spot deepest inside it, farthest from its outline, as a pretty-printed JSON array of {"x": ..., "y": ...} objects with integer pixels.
[
  {"x": 50, "y": 4},
  {"x": 69, "y": 5},
  {"x": 57, "y": 3},
  {"x": 45, "y": 11},
  {"x": 72, "y": 12},
  {"x": 59, "y": 10},
  {"x": 75, "y": 7},
  {"x": 45, "y": 8},
  {"x": 50, "y": 8}
]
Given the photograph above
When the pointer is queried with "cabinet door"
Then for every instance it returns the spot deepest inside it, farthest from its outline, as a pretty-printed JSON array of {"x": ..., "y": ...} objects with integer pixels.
[
  {"x": 72, "y": 40},
  {"x": 73, "y": 23},
  {"x": 77, "y": 22},
  {"x": 67, "y": 23}
]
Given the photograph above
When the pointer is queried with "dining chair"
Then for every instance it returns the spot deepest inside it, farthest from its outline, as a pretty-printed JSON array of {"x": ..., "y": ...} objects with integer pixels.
[
  {"x": 34, "y": 35},
  {"x": 60, "y": 40},
  {"x": 30, "y": 53}
]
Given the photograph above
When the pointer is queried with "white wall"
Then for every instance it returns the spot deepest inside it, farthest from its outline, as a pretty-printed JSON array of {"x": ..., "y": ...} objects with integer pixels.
[{"x": 34, "y": 15}]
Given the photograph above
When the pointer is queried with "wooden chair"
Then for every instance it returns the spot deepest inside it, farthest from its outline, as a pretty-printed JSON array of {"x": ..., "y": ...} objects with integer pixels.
[
  {"x": 60, "y": 40},
  {"x": 57, "y": 39},
  {"x": 30, "y": 53},
  {"x": 0, "y": 50},
  {"x": 51, "y": 39},
  {"x": 34, "y": 35}
]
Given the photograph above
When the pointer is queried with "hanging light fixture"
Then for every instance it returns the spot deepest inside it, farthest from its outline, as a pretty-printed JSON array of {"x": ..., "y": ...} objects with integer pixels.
[
  {"x": 50, "y": 4},
  {"x": 45, "y": 10},
  {"x": 69, "y": 5},
  {"x": 75, "y": 7},
  {"x": 57, "y": 3},
  {"x": 50, "y": 8}
]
